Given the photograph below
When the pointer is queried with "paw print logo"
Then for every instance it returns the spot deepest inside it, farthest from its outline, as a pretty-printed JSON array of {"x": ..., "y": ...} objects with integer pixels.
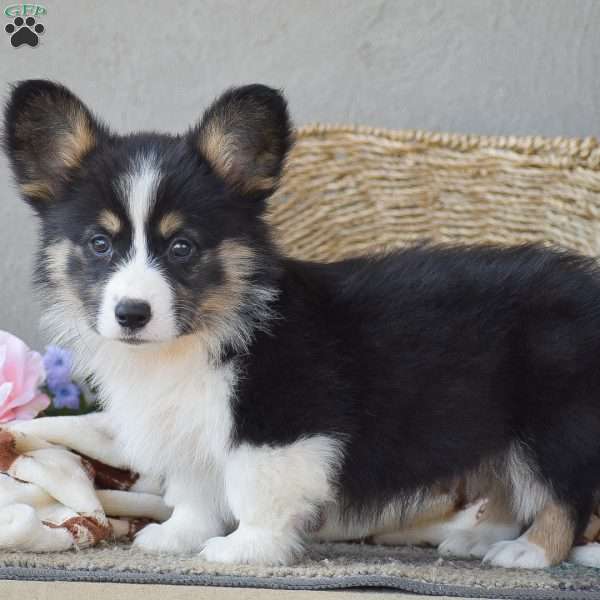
[{"x": 24, "y": 32}]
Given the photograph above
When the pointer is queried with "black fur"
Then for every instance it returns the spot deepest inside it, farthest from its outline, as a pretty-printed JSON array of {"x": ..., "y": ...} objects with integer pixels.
[
  {"x": 430, "y": 361},
  {"x": 426, "y": 362}
]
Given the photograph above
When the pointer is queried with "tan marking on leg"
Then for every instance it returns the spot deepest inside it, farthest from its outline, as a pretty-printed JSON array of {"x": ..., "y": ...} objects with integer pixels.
[
  {"x": 434, "y": 513},
  {"x": 169, "y": 224},
  {"x": 554, "y": 531},
  {"x": 110, "y": 221},
  {"x": 484, "y": 483},
  {"x": 439, "y": 504},
  {"x": 592, "y": 531},
  {"x": 497, "y": 510}
]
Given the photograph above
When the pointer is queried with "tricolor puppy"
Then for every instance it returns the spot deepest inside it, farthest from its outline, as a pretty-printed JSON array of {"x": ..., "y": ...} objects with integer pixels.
[{"x": 282, "y": 399}]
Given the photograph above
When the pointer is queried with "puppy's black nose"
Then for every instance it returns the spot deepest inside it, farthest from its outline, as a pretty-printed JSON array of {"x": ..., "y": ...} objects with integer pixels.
[{"x": 133, "y": 314}]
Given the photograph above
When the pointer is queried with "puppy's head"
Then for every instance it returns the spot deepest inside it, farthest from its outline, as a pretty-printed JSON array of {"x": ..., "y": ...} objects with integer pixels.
[{"x": 149, "y": 237}]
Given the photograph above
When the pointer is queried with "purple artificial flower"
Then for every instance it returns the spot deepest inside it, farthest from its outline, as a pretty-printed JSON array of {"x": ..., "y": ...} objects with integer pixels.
[
  {"x": 58, "y": 363},
  {"x": 66, "y": 395}
]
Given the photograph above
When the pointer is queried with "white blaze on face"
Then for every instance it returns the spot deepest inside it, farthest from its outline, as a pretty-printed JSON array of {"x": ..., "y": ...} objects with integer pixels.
[{"x": 138, "y": 277}]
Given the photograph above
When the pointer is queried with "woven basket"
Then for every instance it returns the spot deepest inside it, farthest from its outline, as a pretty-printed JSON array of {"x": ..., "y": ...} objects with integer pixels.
[{"x": 352, "y": 190}]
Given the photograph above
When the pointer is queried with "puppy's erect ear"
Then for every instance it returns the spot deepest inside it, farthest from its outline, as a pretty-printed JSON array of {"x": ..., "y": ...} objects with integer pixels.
[
  {"x": 245, "y": 136},
  {"x": 47, "y": 132}
]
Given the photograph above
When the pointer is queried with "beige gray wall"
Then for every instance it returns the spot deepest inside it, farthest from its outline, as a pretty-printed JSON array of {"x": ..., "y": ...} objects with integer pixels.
[{"x": 481, "y": 66}]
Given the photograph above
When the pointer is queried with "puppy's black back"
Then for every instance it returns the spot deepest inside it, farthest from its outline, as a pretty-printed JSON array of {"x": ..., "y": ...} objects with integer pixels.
[{"x": 431, "y": 361}]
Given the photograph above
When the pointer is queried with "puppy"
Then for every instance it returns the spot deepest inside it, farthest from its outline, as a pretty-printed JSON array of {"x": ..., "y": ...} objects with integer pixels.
[{"x": 282, "y": 399}]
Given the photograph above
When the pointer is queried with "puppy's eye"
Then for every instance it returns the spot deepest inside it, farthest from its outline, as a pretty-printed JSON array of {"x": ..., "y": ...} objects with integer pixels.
[
  {"x": 100, "y": 245},
  {"x": 180, "y": 250}
]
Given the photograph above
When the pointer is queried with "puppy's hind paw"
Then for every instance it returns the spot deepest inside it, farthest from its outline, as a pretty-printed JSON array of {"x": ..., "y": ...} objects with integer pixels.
[
  {"x": 475, "y": 542},
  {"x": 588, "y": 555},
  {"x": 517, "y": 554}
]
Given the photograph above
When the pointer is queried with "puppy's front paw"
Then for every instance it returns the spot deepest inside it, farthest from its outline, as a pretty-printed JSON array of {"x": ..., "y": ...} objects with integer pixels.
[
  {"x": 161, "y": 539},
  {"x": 518, "y": 554},
  {"x": 252, "y": 546}
]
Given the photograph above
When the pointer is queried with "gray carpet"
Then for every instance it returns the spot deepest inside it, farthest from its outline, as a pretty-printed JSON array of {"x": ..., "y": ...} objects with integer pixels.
[{"x": 326, "y": 566}]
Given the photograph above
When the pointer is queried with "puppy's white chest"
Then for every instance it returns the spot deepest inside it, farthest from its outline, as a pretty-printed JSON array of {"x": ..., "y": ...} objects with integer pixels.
[{"x": 172, "y": 413}]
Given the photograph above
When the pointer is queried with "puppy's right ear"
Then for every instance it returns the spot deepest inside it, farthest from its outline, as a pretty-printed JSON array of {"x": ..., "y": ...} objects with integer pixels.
[
  {"x": 47, "y": 133},
  {"x": 245, "y": 136}
]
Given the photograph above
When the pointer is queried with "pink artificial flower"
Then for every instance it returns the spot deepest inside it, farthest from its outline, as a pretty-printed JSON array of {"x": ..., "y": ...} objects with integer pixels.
[{"x": 21, "y": 374}]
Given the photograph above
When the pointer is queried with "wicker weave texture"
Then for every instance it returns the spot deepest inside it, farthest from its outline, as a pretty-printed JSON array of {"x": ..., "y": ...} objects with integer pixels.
[{"x": 351, "y": 190}]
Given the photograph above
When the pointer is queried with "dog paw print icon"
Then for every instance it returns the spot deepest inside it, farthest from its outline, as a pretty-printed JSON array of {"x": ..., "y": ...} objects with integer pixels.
[{"x": 24, "y": 31}]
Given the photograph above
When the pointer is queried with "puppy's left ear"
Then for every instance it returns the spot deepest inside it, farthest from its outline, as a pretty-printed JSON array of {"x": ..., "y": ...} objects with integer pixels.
[
  {"x": 245, "y": 136},
  {"x": 47, "y": 133}
]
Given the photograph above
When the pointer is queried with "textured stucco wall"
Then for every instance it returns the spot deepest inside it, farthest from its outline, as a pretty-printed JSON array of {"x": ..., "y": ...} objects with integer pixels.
[{"x": 481, "y": 66}]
